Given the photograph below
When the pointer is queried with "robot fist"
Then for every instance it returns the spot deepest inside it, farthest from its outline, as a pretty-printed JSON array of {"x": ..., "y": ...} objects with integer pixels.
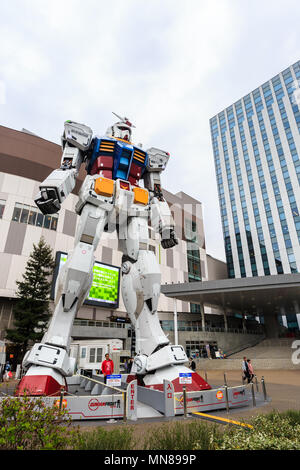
[
  {"x": 168, "y": 238},
  {"x": 47, "y": 201}
]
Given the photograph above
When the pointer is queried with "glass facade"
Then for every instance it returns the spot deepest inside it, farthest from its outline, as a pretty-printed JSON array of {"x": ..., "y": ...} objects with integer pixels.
[
  {"x": 193, "y": 256},
  {"x": 32, "y": 216},
  {"x": 256, "y": 146}
]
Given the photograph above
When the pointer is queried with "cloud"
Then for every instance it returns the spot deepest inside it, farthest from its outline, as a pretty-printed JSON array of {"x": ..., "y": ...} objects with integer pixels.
[{"x": 167, "y": 65}]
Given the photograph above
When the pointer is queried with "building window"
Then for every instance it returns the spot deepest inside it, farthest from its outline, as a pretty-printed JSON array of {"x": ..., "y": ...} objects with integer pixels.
[
  {"x": 96, "y": 355},
  {"x": 2, "y": 207},
  {"x": 30, "y": 215},
  {"x": 195, "y": 308},
  {"x": 190, "y": 230},
  {"x": 194, "y": 265}
]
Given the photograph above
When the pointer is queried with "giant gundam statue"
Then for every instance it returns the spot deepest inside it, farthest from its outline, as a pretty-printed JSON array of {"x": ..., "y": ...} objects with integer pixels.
[{"x": 110, "y": 199}]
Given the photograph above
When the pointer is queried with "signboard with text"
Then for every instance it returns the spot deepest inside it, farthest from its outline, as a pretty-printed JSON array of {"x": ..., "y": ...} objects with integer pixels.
[
  {"x": 105, "y": 288},
  {"x": 113, "y": 380},
  {"x": 185, "y": 378}
]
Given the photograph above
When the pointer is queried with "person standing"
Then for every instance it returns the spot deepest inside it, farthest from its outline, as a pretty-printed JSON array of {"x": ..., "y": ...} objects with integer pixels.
[
  {"x": 107, "y": 367},
  {"x": 192, "y": 364},
  {"x": 245, "y": 369},
  {"x": 207, "y": 347},
  {"x": 251, "y": 370},
  {"x": 129, "y": 365}
]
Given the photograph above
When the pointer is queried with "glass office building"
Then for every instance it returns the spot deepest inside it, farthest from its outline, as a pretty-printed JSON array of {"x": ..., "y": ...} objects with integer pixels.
[{"x": 256, "y": 146}]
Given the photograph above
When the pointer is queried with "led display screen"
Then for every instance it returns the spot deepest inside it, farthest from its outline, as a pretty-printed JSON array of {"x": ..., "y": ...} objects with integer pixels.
[{"x": 104, "y": 291}]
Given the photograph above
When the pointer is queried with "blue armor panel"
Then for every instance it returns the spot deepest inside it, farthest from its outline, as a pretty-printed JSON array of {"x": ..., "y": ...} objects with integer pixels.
[{"x": 127, "y": 161}]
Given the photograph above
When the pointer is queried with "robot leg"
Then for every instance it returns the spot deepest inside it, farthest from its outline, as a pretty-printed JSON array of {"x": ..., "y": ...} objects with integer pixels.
[
  {"x": 48, "y": 361},
  {"x": 141, "y": 290},
  {"x": 156, "y": 359}
]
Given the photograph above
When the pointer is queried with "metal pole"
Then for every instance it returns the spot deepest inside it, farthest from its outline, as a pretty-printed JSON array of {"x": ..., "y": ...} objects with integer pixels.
[
  {"x": 253, "y": 394},
  {"x": 205, "y": 375},
  {"x": 175, "y": 322},
  {"x": 263, "y": 384},
  {"x": 225, "y": 380},
  {"x": 256, "y": 383},
  {"x": 125, "y": 407},
  {"x": 184, "y": 401},
  {"x": 62, "y": 391},
  {"x": 227, "y": 400}
]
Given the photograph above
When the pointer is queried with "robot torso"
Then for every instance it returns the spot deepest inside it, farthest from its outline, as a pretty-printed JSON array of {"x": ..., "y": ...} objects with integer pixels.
[{"x": 115, "y": 158}]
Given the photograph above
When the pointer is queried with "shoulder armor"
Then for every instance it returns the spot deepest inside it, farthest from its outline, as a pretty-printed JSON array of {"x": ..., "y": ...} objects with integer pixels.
[
  {"x": 157, "y": 159},
  {"x": 78, "y": 135}
]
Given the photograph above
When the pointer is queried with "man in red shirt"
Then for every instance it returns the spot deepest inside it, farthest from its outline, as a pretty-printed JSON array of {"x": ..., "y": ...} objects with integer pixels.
[{"x": 107, "y": 367}]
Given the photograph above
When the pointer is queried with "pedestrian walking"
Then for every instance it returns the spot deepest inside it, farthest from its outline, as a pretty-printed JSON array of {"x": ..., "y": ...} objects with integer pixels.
[
  {"x": 245, "y": 369},
  {"x": 208, "y": 352},
  {"x": 251, "y": 370},
  {"x": 107, "y": 367}
]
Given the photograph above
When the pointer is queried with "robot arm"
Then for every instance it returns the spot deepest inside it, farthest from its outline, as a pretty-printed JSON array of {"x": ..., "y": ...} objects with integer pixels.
[
  {"x": 161, "y": 217},
  {"x": 76, "y": 141}
]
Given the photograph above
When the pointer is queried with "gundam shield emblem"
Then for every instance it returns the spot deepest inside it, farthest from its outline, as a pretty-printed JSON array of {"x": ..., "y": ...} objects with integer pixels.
[{"x": 110, "y": 199}]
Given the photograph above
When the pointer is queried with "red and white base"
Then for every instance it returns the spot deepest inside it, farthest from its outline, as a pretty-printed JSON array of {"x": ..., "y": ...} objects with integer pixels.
[
  {"x": 171, "y": 373},
  {"x": 41, "y": 381}
]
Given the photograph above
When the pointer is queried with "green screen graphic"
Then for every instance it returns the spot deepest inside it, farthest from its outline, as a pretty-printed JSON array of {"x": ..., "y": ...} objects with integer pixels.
[{"x": 105, "y": 286}]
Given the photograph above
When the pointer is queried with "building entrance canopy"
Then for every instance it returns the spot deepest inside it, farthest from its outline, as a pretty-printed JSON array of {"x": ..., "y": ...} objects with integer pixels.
[{"x": 264, "y": 295}]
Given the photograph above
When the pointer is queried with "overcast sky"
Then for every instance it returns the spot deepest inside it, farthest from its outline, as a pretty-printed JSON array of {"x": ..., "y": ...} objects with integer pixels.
[{"x": 168, "y": 65}]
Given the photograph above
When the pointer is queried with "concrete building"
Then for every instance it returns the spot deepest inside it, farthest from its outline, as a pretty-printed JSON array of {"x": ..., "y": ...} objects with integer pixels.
[
  {"x": 26, "y": 160},
  {"x": 256, "y": 146}
]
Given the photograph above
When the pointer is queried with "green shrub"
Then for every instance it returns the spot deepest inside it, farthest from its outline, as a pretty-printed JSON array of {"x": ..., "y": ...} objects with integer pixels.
[
  {"x": 103, "y": 439},
  {"x": 275, "y": 431},
  {"x": 182, "y": 436},
  {"x": 28, "y": 424},
  {"x": 292, "y": 415}
]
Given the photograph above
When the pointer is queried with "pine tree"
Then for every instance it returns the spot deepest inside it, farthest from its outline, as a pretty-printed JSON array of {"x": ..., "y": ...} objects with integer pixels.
[{"x": 31, "y": 311}]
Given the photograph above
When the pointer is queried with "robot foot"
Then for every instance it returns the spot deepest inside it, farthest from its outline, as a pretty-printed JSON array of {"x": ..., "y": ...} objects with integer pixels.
[
  {"x": 156, "y": 380},
  {"x": 41, "y": 381}
]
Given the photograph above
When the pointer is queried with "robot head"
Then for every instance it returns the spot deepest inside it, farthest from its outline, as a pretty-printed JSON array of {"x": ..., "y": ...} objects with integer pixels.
[{"x": 121, "y": 130}]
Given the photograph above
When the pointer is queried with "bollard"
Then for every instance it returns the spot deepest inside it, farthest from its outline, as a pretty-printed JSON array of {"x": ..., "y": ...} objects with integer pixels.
[
  {"x": 226, "y": 397},
  {"x": 263, "y": 385},
  {"x": 184, "y": 401},
  {"x": 253, "y": 394},
  {"x": 62, "y": 391},
  {"x": 225, "y": 380},
  {"x": 256, "y": 383},
  {"x": 125, "y": 406}
]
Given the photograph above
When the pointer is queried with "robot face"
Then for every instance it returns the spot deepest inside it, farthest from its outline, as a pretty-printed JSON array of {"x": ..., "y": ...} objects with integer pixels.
[{"x": 122, "y": 131}]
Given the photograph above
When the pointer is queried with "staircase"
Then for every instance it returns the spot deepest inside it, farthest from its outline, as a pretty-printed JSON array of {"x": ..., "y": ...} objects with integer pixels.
[{"x": 273, "y": 354}]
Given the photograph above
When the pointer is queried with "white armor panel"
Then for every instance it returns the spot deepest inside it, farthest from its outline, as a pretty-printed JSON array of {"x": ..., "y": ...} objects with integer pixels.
[
  {"x": 141, "y": 280},
  {"x": 78, "y": 135},
  {"x": 157, "y": 159}
]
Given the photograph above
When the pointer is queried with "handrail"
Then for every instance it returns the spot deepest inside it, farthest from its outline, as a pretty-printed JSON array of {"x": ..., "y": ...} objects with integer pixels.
[
  {"x": 220, "y": 329},
  {"x": 123, "y": 392},
  {"x": 101, "y": 383}
]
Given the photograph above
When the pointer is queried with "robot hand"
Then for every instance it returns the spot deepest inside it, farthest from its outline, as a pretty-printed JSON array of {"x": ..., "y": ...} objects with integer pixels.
[
  {"x": 54, "y": 190},
  {"x": 168, "y": 238},
  {"x": 47, "y": 201}
]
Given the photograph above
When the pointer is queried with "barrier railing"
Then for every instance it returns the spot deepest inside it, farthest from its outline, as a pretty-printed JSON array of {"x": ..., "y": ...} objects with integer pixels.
[{"x": 119, "y": 390}]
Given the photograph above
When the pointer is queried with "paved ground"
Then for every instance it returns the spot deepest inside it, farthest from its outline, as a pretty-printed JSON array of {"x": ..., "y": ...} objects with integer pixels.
[{"x": 283, "y": 388}]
